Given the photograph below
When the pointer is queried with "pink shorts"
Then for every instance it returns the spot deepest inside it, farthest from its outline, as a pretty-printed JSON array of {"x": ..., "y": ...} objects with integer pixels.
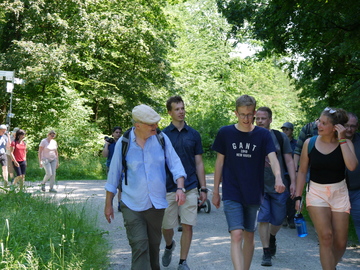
[{"x": 335, "y": 196}]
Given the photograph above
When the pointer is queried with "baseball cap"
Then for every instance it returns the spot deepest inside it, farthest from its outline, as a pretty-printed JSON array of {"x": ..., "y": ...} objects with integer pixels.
[{"x": 288, "y": 125}]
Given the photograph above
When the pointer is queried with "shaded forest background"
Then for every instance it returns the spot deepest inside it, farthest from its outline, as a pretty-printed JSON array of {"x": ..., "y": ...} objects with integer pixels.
[{"x": 87, "y": 63}]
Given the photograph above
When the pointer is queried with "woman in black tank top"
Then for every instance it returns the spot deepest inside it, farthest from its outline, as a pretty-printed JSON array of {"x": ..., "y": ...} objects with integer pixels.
[{"x": 327, "y": 197}]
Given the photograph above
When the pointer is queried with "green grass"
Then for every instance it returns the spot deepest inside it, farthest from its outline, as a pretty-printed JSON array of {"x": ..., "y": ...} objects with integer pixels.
[
  {"x": 88, "y": 167},
  {"x": 40, "y": 233}
]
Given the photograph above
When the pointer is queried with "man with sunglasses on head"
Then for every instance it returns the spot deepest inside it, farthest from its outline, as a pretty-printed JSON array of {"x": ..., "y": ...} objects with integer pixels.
[{"x": 353, "y": 177}]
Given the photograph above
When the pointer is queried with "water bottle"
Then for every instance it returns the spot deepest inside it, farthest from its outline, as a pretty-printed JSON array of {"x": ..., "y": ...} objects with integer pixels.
[{"x": 300, "y": 222}]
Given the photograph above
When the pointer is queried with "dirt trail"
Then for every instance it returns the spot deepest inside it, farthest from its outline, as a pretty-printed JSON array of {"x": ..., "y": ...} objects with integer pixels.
[{"x": 210, "y": 249}]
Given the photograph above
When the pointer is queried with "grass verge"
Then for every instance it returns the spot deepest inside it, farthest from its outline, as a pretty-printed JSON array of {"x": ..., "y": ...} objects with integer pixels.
[{"x": 38, "y": 232}]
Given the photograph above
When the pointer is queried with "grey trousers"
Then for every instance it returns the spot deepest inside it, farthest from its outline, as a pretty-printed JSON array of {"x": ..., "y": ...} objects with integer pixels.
[{"x": 144, "y": 233}]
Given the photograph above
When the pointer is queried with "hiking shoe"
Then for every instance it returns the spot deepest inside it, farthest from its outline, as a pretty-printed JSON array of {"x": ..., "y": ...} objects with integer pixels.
[
  {"x": 266, "y": 259},
  {"x": 292, "y": 225},
  {"x": 52, "y": 190},
  {"x": 272, "y": 245},
  {"x": 166, "y": 258},
  {"x": 42, "y": 187},
  {"x": 183, "y": 266}
]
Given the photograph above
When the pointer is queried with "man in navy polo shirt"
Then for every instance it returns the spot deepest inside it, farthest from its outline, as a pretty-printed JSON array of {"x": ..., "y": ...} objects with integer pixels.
[{"x": 187, "y": 144}]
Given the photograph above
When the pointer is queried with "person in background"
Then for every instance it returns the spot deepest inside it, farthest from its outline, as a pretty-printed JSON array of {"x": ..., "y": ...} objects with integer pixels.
[
  {"x": 4, "y": 145},
  {"x": 187, "y": 144},
  {"x": 241, "y": 150},
  {"x": 49, "y": 159},
  {"x": 18, "y": 156},
  {"x": 307, "y": 131},
  {"x": 143, "y": 197},
  {"x": 273, "y": 208},
  {"x": 108, "y": 152},
  {"x": 327, "y": 197},
  {"x": 288, "y": 129},
  {"x": 11, "y": 170},
  {"x": 353, "y": 177}
]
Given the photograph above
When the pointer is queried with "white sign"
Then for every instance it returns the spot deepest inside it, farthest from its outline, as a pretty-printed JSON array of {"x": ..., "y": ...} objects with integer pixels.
[
  {"x": 9, "y": 87},
  {"x": 9, "y": 75},
  {"x": 18, "y": 81}
]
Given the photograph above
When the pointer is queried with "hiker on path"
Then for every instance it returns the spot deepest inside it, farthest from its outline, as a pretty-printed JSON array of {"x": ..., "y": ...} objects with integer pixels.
[
  {"x": 143, "y": 198},
  {"x": 327, "y": 198}
]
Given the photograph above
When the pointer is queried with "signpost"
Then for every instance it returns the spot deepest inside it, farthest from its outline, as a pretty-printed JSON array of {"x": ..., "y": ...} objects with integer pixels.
[{"x": 9, "y": 77}]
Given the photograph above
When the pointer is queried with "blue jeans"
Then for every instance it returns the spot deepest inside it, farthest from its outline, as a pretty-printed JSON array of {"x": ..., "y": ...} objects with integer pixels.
[
  {"x": 240, "y": 216},
  {"x": 355, "y": 209}
]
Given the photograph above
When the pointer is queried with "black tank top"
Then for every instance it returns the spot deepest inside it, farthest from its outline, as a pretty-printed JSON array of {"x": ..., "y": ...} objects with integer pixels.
[{"x": 327, "y": 169}]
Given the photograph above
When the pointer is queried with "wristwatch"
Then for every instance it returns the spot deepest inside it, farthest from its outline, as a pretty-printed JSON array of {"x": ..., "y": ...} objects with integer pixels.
[
  {"x": 181, "y": 188},
  {"x": 205, "y": 190}
]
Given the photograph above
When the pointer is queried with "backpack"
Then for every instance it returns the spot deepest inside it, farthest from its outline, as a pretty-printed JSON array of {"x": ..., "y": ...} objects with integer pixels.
[
  {"x": 311, "y": 143},
  {"x": 280, "y": 140},
  {"x": 125, "y": 147},
  {"x": 309, "y": 130}
]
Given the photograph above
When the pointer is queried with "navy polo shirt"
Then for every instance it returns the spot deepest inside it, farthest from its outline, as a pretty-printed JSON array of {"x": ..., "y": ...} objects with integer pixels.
[{"x": 187, "y": 144}]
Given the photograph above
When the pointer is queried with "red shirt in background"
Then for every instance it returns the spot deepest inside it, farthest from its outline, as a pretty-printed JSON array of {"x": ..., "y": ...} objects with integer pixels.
[{"x": 19, "y": 150}]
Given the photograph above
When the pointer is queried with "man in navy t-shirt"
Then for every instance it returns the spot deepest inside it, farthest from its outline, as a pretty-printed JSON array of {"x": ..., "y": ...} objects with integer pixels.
[{"x": 241, "y": 151}]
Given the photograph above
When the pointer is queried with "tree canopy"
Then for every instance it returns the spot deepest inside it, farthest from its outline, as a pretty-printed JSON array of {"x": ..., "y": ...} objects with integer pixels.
[
  {"x": 321, "y": 40},
  {"x": 88, "y": 63}
]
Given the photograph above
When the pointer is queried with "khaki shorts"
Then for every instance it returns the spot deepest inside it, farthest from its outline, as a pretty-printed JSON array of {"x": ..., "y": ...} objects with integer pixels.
[
  {"x": 187, "y": 211},
  {"x": 335, "y": 196}
]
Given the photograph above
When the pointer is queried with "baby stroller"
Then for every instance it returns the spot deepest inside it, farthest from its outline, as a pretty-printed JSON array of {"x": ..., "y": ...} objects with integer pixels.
[{"x": 206, "y": 205}]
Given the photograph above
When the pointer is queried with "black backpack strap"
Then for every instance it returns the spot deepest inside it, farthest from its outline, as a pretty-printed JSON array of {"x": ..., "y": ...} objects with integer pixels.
[
  {"x": 160, "y": 137},
  {"x": 280, "y": 140},
  {"x": 124, "y": 149}
]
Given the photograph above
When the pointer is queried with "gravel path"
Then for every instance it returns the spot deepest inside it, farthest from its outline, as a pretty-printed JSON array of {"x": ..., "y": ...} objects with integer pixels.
[{"x": 210, "y": 249}]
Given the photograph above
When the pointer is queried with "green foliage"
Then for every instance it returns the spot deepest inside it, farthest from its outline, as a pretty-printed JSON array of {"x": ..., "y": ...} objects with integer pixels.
[
  {"x": 93, "y": 60},
  {"x": 39, "y": 233},
  {"x": 210, "y": 80},
  {"x": 319, "y": 38}
]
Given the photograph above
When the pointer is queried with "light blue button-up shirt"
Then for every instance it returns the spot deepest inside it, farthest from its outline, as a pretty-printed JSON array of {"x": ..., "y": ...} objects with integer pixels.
[{"x": 145, "y": 173}]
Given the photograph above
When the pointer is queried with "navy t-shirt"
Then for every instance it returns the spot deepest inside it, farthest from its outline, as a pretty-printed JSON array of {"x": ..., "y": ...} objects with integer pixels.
[{"x": 243, "y": 169}]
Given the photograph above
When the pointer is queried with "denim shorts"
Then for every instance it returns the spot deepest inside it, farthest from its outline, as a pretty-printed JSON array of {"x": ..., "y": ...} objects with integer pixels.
[
  {"x": 273, "y": 208},
  {"x": 240, "y": 216}
]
